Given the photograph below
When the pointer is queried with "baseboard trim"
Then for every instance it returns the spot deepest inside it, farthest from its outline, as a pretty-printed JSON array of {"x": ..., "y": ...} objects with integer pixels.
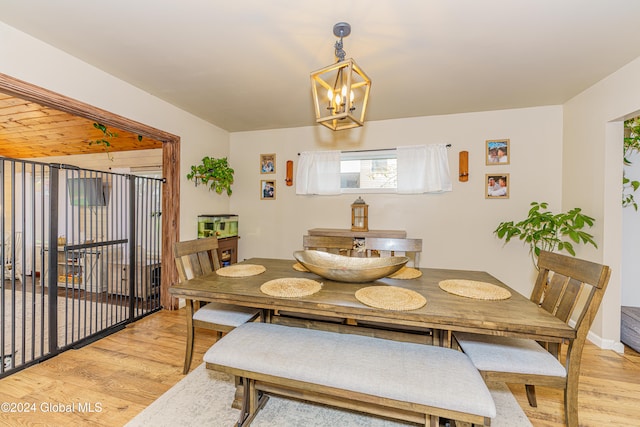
[{"x": 616, "y": 346}]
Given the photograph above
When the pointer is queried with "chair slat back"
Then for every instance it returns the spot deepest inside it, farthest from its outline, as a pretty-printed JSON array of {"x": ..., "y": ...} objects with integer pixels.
[
  {"x": 569, "y": 300},
  {"x": 387, "y": 246},
  {"x": 561, "y": 283},
  {"x": 560, "y": 294},
  {"x": 333, "y": 244},
  {"x": 196, "y": 258}
]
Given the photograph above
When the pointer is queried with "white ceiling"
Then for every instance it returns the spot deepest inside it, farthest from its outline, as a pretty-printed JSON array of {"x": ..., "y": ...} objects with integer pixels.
[{"x": 244, "y": 64}]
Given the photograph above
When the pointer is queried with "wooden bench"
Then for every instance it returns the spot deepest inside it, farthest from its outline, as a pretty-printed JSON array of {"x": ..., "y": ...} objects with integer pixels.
[{"x": 411, "y": 382}]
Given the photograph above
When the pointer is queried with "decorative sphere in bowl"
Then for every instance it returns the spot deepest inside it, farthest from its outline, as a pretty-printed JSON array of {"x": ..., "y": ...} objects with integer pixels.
[{"x": 349, "y": 269}]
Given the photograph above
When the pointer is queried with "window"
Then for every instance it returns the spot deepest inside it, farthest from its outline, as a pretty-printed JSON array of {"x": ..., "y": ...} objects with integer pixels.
[{"x": 374, "y": 170}]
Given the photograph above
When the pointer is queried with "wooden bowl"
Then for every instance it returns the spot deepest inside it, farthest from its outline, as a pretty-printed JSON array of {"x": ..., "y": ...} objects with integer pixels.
[{"x": 349, "y": 269}]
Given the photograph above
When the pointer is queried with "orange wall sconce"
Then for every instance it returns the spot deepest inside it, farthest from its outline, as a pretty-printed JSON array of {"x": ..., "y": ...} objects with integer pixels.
[
  {"x": 289, "y": 178},
  {"x": 463, "y": 175}
]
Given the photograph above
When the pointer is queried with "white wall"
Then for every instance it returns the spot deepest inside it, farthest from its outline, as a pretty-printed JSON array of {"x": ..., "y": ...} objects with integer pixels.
[
  {"x": 28, "y": 59},
  {"x": 456, "y": 228},
  {"x": 592, "y": 177}
]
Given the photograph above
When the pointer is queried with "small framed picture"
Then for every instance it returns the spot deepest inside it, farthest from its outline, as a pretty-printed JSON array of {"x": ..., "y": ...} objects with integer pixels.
[
  {"x": 498, "y": 152},
  {"x": 267, "y": 189},
  {"x": 497, "y": 186},
  {"x": 267, "y": 163}
]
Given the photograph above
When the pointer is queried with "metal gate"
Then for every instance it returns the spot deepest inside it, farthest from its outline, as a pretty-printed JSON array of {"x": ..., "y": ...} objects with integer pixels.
[{"x": 81, "y": 256}]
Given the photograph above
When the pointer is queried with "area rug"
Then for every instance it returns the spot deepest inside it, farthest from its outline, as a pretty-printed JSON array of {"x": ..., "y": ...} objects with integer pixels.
[{"x": 204, "y": 398}]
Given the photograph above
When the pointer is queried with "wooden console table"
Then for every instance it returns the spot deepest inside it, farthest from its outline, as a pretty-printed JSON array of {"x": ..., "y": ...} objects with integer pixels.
[{"x": 336, "y": 232}]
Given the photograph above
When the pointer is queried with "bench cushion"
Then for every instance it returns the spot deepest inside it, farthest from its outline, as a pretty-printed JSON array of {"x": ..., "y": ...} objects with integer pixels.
[{"x": 408, "y": 372}]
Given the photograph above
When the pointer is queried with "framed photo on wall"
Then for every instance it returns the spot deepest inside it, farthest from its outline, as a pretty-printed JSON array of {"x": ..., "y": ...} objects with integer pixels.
[
  {"x": 268, "y": 189},
  {"x": 267, "y": 163},
  {"x": 497, "y": 186},
  {"x": 497, "y": 152}
]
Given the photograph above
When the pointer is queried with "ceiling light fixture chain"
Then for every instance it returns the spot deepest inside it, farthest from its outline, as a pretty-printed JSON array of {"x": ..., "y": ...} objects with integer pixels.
[{"x": 341, "y": 29}]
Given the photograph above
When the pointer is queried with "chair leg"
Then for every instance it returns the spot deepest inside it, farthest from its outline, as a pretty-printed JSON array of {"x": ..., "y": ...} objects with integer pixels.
[
  {"x": 531, "y": 395},
  {"x": 190, "y": 333},
  {"x": 571, "y": 404}
]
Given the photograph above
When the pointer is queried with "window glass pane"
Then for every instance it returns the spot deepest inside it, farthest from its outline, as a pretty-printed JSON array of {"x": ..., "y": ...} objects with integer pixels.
[
  {"x": 348, "y": 166},
  {"x": 369, "y": 170}
]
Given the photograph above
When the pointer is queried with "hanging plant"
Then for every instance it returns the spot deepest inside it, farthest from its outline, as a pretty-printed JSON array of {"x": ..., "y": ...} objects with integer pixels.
[
  {"x": 107, "y": 135},
  {"x": 631, "y": 146},
  {"x": 213, "y": 172}
]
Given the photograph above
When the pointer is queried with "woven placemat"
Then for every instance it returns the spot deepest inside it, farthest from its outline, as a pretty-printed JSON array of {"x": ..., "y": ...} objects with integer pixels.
[
  {"x": 299, "y": 267},
  {"x": 290, "y": 287},
  {"x": 241, "y": 270},
  {"x": 406, "y": 273},
  {"x": 390, "y": 298},
  {"x": 474, "y": 289}
]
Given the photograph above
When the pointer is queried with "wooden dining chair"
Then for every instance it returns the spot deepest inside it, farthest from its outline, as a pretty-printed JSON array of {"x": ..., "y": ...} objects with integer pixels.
[
  {"x": 196, "y": 258},
  {"x": 572, "y": 290},
  {"x": 386, "y": 246},
  {"x": 341, "y": 245}
]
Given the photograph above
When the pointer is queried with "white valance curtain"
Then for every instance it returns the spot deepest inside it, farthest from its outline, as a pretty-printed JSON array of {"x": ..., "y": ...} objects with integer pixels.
[
  {"x": 318, "y": 173},
  {"x": 423, "y": 169}
]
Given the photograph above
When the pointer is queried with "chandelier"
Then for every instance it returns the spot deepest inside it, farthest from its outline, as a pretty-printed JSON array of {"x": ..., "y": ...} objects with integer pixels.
[{"x": 341, "y": 90}]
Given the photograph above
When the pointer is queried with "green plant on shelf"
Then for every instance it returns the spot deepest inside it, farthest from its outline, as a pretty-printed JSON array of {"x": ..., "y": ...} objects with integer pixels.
[{"x": 214, "y": 172}]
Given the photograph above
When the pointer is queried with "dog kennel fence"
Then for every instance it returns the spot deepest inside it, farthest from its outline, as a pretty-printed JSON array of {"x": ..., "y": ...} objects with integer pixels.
[{"x": 81, "y": 256}]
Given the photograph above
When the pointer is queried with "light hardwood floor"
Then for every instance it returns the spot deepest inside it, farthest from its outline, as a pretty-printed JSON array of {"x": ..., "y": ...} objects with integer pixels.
[{"x": 120, "y": 375}]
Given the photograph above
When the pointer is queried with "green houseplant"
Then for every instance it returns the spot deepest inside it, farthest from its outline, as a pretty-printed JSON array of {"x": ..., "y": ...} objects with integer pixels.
[
  {"x": 631, "y": 145},
  {"x": 213, "y": 172},
  {"x": 105, "y": 140},
  {"x": 544, "y": 230}
]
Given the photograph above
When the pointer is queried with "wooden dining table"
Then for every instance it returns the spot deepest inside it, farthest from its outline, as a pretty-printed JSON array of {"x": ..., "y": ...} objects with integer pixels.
[{"x": 515, "y": 316}]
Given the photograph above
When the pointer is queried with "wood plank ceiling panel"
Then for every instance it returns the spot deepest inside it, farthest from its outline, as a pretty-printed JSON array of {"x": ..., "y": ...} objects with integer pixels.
[{"x": 30, "y": 130}]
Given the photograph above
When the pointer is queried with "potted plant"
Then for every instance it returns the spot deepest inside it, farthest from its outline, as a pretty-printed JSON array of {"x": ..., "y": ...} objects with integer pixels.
[
  {"x": 543, "y": 230},
  {"x": 213, "y": 172},
  {"x": 631, "y": 146}
]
